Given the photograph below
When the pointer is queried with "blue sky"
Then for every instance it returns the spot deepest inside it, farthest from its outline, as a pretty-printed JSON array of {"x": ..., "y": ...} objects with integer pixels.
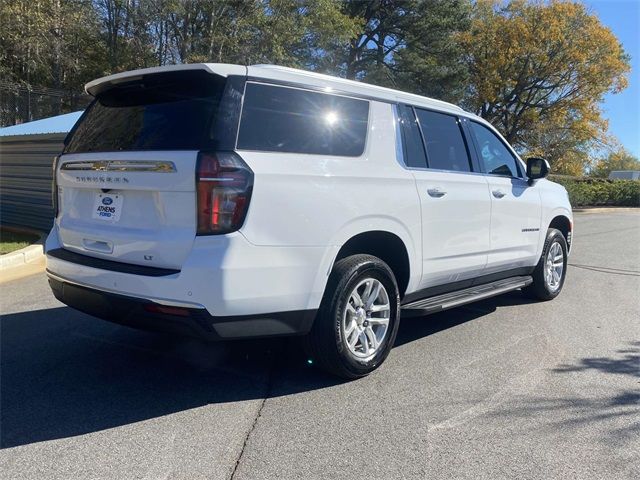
[{"x": 623, "y": 109}]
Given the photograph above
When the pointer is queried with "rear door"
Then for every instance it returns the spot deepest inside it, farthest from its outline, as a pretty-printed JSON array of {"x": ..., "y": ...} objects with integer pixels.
[
  {"x": 515, "y": 205},
  {"x": 455, "y": 201},
  {"x": 126, "y": 180}
]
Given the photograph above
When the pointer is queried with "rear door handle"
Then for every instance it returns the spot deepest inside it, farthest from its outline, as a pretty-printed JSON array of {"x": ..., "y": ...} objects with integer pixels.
[
  {"x": 498, "y": 193},
  {"x": 436, "y": 192}
]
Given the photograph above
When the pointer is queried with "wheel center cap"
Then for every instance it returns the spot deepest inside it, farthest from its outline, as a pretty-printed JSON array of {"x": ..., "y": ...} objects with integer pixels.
[{"x": 361, "y": 316}]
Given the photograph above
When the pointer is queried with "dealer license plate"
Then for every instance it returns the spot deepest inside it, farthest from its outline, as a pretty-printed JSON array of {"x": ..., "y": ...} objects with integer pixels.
[{"x": 108, "y": 206}]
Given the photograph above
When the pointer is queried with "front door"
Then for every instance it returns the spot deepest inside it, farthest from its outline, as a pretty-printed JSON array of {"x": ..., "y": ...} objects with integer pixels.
[{"x": 516, "y": 211}]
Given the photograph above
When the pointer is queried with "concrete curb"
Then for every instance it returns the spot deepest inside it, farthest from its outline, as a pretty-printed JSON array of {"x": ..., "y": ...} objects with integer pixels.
[
  {"x": 605, "y": 209},
  {"x": 22, "y": 256},
  {"x": 25, "y": 256}
]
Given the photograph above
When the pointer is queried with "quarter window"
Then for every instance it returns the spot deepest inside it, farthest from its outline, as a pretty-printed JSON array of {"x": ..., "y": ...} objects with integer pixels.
[
  {"x": 411, "y": 142},
  {"x": 282, "y": 119},
  {"x": 446, "y": 148},
  {"x": 495, "y": 157}
]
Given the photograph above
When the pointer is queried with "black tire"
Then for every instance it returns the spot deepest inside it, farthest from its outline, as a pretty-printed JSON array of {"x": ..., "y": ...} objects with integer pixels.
[
  {"x": 539, "y": 289},
  {"x": 325, "y": 344}
]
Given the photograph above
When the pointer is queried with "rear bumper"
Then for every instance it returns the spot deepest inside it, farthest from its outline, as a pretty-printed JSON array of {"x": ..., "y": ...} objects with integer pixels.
[
  {"x": 228, "y": 287},
  {"x": 225, "y": 274},
  {"x": 147, "y": 314}
]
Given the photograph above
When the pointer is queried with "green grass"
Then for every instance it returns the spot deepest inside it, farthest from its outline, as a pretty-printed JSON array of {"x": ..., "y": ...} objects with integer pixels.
[{"x": 11, "y": 241}]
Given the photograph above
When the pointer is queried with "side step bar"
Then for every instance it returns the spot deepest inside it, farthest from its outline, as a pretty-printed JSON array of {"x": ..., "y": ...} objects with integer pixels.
[{"x": 468, "y": 295}]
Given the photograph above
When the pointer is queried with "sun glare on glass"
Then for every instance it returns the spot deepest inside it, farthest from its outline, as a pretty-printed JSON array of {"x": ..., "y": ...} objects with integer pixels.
[{"x": 331, "y": 118}]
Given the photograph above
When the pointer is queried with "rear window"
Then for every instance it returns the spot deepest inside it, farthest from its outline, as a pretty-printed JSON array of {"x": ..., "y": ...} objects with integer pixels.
[
  {"x": 168, "y": 111},
  {"x": 446, "y": 148},
  {"x": 282, "y": 119}
]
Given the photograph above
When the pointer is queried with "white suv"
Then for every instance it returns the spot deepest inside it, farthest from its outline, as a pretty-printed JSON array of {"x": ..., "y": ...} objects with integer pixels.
[{"x": 226, "y": 201}]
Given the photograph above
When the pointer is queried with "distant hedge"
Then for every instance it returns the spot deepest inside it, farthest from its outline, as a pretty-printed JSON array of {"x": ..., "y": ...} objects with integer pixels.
[{"x": 586, "y": 191}]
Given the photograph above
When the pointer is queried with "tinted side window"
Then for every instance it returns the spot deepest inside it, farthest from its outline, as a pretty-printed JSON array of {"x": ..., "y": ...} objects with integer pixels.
[
  {"x": 411, "y": 142},
  {"x": 495, "y": 158},
  {"x": 443, "y": 139},
  {"x": 281, "y": 119}
]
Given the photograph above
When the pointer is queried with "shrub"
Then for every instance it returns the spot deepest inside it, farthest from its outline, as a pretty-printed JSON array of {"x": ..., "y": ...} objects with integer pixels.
[{"x": 584, "y": 191}]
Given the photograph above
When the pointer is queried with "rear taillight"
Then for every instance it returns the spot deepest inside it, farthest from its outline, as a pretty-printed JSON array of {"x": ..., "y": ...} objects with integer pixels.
[{"x": 223, "y": 185}]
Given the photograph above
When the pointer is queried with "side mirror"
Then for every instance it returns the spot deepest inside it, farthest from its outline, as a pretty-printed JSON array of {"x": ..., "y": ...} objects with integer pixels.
[{"x": 536, "y": 168}]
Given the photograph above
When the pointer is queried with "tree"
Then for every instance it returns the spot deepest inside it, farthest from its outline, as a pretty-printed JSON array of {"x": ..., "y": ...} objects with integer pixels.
[
  {"x": 125, "y": 33},
  {"x": 48, "y": 42},
  {"x": 431, "y": 63},
  {"x": 286, "y": 32},
  {"x": 199, "y": 31},
  {"x": 382, "y": 25},
  {"x": 65, "y": 43},
  {"x": 298, "y": 33},
  {"x": 618, "y": 159},
  {"x": 405, "y": 44},
  {"x": 538, "y": 72},
  {"x": 536, "y": 69}
]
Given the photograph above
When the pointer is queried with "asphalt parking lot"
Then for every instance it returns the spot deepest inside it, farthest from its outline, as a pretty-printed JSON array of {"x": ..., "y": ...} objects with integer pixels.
[{"x": 504, "y": 388}]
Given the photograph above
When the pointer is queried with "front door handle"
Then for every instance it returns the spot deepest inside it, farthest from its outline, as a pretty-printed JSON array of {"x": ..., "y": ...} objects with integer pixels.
[
  {"x": 436, "y": 192},
  {"x": 498, "y": 193}
]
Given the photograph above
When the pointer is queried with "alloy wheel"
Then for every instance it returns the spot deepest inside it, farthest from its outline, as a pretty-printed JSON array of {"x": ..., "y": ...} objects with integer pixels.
[
  {"x": 366, "y": 318},
  {"x": 554, "y": 267}
]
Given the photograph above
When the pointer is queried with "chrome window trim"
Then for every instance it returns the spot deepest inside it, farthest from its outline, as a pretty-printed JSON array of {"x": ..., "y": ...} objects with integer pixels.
[
  {"x": 458, "y": 172},
  {"x": 399, "y": 144}
]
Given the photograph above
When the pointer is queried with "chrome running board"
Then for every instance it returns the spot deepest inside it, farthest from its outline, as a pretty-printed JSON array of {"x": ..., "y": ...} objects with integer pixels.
[{"x": 468, "y": 295}]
